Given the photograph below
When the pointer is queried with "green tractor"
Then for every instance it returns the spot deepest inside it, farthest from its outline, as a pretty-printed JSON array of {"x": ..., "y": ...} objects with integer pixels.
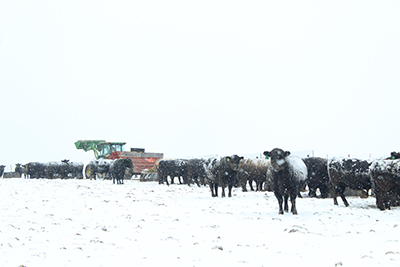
[
  {"x": 101, "y": 148},
  {"x": 102, "y": 151}
]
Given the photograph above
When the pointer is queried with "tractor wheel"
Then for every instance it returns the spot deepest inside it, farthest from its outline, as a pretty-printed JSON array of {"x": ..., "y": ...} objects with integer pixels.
[{"x": 89, "y": 174}]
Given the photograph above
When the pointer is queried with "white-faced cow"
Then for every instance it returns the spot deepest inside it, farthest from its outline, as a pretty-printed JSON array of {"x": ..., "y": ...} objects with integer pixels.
[{"x": 286, "y": 175}]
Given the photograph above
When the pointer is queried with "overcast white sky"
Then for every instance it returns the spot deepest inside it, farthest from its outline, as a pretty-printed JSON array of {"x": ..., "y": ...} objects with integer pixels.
[{"x": 192, "y": 78}]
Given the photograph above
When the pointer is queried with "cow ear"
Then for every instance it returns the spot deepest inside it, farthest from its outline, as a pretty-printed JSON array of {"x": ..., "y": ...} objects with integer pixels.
[
  {"x": 228, "y": 158},
  {"x": 241, "y": 158},
  {"x": 287, "y": 153},
  {"x": 267, "y": 153}
]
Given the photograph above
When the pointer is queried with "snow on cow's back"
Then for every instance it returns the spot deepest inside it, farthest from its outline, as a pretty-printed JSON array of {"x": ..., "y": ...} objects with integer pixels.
[
  {"x": 297, "y": 167},
  {"x": 388, "y": 166},
  {"x": 259, "y": 162}
]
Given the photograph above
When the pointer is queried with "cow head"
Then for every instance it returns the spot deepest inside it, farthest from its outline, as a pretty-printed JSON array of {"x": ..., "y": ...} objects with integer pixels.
[
  {"x": 277, "y": 156},
  {"x": 129, "y": 163},
  {"x": 233, "y": 162},
  {"x": 394, "y": 155}
]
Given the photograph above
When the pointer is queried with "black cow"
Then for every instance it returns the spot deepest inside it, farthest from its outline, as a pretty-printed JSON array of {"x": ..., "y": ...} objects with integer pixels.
[
  {"x": 53, "y": 169},
  {"x": 64, "y": 169},
  {"x": 385, "y": 178},
  {"x": 19, "y": 168},
  {"x": 317, "y": 176},
  {"x": 2, "y": 170},
  {"x": 172, "y": 168},
  {"x": 35, "y": 170},
  {"x": 348, "y": 173},
  {"x": 98, "y": 169},
  {"x": 196, "y": 171},
  {"x": 223, "y": 172},
  {"x": 70, "y": 169},
  {"x": 118, "y": 168},
  {"x": 103, "y": 168},
  {"x": 286, "y": 175}
]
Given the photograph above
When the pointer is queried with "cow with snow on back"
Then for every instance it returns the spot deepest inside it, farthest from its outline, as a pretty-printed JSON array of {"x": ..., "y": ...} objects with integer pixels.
[
  {"x": 118, "y": 168},
  {"x": 385, "y": 179},
  {"x": 318, "y": 178},
  {"x": 222, "y": 172},
  {"x": 348, "y": 173},
  {"x": 286, "y": 176}
]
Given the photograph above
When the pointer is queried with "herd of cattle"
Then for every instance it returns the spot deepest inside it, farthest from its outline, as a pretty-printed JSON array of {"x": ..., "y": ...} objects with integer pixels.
[
  {"x": 281, "y": 173},
  {"x": 287, "y": 175},
  {"x": 110, "y": 169}
]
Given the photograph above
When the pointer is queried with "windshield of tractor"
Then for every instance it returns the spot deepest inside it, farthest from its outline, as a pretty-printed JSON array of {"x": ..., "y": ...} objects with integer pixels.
[{"x": 106, "y": 149}]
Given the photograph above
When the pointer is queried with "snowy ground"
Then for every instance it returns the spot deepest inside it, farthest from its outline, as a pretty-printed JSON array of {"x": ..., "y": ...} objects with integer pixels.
[{"x": 96, "y": 223}]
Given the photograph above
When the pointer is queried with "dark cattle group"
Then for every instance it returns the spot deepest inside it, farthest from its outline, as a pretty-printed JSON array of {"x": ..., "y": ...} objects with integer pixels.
[
  {"x": 63, "y": 169},
  {"x": 287, "y": 176},
  {"x": 107, "y": 169},
  {"x": 284, "y": 175},
  {"x": 214, "y": 172}
]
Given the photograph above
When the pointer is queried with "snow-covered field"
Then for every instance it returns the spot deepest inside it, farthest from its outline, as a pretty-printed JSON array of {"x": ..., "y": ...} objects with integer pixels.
[{"x": 97, "y": 223}]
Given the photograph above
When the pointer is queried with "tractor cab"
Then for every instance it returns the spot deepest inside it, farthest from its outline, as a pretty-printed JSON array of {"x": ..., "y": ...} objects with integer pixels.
[
  {"x": 101, "y": 148},
  {"x": 107, "y": 148}
]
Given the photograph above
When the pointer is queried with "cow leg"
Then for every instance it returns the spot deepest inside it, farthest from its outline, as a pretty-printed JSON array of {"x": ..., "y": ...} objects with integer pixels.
[
  {"x": 259, "y": 186},
  {"x": 344, "y": 199},
  {"x": 286, "y": 197},
  {"x": 312, "y": 192},
  {"x": 230, "y": 190},
  {"x": 341, "y": 194},
  {"x": 335, "y": 194},
  {"x": 324, "y": 191},
  {"x": 251, "y": 185},
  {"x": 223, "y": 190},
  {"x": 244, "y": 189},
  {"x": 293, "y": 201},
  {"x": 187, "y": 179},
  {"x": 213, "y": 194},
  {"x": 340, "y": 190},
  {"x": 280, "y": 201}
]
